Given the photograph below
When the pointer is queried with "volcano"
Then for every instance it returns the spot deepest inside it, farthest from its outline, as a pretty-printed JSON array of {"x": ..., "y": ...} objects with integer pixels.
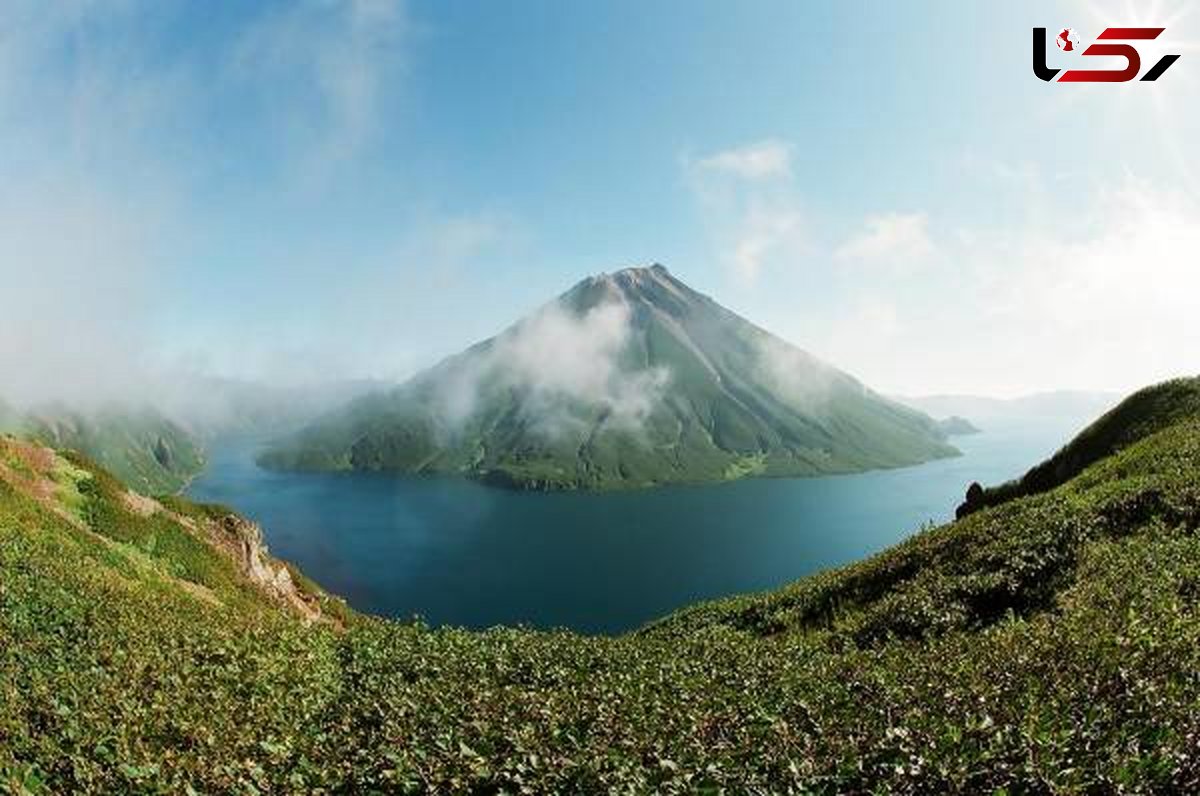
[{"x": 629, "y": 379}]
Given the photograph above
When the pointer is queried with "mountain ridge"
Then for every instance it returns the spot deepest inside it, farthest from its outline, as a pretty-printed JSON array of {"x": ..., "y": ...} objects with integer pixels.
[{"x": 629, "y": 378}]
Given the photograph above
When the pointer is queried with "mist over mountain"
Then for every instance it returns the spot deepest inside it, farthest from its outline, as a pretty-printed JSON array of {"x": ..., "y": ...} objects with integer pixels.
[
  {"x": 158, "y": 444},
  {"x": 141, "y": 445},
  {"x": 213, "y": 407},
  {"x": 627, "y": 379}
]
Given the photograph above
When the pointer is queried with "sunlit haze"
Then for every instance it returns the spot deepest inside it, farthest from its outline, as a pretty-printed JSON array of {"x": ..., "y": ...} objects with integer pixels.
[{"x": 299, "y": 192}]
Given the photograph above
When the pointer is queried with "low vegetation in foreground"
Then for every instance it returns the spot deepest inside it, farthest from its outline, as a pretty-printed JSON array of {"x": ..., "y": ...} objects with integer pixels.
[{"x": 1047, "y": 643}]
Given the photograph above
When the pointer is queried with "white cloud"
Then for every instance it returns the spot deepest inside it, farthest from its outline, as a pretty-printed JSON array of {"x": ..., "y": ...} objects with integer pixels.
[
  {"x": 896, "y": 237},
  {"x": 795, "y": 374},
  {"x": 338, "y": 60},
  {"x": 560, "y": 356},
  {"x": 765, "y": 231},
  {"x": 757, "y": 161},
  {"x": 1114, "y": 296},
  {"x": 1055, "y": 284},
  {"x": 751, "y": 207},
  {"x": 397, "y": 305},
  {"x": 561, "y": 362},
  {"x": 75, "y": 275},
  {"x": 1105, "y": 298},
  {"x": 107, "y": 201},
  {"x": 89, "y": 206}
]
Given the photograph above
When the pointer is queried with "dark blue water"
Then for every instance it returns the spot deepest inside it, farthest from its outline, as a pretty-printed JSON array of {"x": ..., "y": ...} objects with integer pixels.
[{"x": 455, "y": 552}]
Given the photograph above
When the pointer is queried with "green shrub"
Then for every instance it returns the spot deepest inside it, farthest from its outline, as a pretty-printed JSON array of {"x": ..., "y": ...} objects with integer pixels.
[{"x": 1050, "y": 644}]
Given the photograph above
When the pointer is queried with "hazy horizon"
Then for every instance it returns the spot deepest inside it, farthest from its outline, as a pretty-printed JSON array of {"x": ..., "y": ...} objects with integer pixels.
[
  {"x": 300, "y": 193},
  {"x": 563, "y": 353}
]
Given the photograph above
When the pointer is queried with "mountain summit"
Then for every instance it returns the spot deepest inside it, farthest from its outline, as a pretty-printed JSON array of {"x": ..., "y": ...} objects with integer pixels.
[{"x": 627, "y": 379}]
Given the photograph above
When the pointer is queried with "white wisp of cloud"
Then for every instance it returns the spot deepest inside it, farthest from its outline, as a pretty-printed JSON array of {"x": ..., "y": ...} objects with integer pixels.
[{"x": 562, "y": 364}]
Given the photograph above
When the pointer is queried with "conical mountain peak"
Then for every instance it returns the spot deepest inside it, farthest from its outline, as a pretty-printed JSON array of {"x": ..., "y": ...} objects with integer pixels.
[
  {"x": 647, "y": 286},
  {"x": 630, "y": 378}
]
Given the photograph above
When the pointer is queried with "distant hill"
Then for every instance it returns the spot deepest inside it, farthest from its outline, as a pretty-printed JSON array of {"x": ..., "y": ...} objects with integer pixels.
[
  {"x": 982, "y": 410},
  {"x": 158, "y": 446},
  {"x": 955, "y": 426},
  {"x": 147, "y": 450},
  {"x": 627, "y": 379}
]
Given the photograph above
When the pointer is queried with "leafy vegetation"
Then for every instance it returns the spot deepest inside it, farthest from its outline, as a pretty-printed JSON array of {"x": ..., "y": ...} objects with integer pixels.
[
  {"x": 1048, "y": 644},
  {"x": 733, "y": 401},
  {"x": 1139, "y": 415}
]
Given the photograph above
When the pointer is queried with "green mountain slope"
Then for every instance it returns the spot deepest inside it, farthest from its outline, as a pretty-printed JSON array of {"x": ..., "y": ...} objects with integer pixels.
[
  {"x": 1139, "y": 415},
  {"x": 1048, "y": 644},
  {"x": 142, "y": 447},
  {"x": 628, "y": 379}
]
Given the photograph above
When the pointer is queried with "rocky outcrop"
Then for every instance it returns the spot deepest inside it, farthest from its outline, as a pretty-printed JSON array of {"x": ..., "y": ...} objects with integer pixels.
[
  {"x": 51, "y": 479},
  {"x": 242, "y": 541},
  {"x": 251, "y": 554},
  {"x": 162, "y": 453},
  {"x": 972, "y": 503}
]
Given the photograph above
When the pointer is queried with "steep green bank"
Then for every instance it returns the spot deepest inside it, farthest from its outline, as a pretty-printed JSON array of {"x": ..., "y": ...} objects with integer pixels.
[
  {"x": 627, "y": 380},
  {"x": 1048, "y": 644},
  {"x": 1138, "y": 416}
]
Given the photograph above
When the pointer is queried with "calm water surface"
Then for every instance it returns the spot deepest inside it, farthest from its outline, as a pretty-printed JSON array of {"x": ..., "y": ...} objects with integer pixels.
[{"x": 455, "y": 552}]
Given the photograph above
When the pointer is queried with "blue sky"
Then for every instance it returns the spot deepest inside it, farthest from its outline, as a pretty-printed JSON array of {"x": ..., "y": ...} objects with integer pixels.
[{"x": 326, "y": 189}]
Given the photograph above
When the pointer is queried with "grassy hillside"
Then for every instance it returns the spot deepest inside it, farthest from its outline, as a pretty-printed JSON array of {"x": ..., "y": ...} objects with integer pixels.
[
  {"x": 629, "y": 379},
  {"x": 1049, "y": 644},
  {"x": 1134, "y": 418}
]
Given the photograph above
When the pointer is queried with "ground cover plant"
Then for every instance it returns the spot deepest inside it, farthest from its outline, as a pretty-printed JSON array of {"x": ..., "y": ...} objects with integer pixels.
[{"x": 1049, "y": 642}]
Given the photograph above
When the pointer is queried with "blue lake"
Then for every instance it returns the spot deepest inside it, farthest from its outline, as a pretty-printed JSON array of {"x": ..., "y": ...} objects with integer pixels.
[{"x": 456, "y": 552}]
